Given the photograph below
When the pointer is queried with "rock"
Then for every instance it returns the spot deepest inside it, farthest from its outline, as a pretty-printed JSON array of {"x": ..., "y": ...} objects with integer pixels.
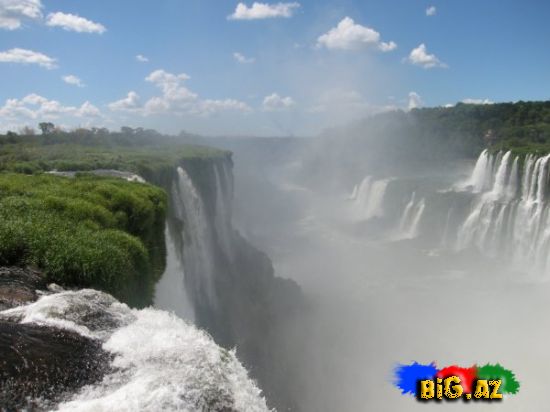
[
  {"x": 39, "y": 364},
  {"x": 18, "y": 286}
]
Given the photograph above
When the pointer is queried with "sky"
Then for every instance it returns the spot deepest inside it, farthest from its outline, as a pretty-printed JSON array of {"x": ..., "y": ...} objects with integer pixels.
[{"x": 220, "y": 67}]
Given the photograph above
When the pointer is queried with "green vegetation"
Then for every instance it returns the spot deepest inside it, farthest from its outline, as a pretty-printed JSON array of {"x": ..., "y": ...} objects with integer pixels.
[
  {"x": 87, "y": 231},
  {"x": 523, "y": 127},
  {"x": 462, "y": 130},
  {"x": 90, "y": 231},
  {"x": 141, "y": 152}
]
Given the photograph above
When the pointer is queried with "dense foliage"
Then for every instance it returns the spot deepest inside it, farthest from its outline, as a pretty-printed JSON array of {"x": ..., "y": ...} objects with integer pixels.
[
  {"x": 141, "y": 152},
  {"x": 86, "y": 231},
  {"x": 523, "y": 126},
  {"x": 104, "y": 233}
]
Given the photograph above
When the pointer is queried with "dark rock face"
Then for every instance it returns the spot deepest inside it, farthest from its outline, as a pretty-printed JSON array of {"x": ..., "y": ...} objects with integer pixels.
[
  {"x": 39, "y": 364},
  {"x": 235, "y": 294},
  {"x": 18, "y": 286}
]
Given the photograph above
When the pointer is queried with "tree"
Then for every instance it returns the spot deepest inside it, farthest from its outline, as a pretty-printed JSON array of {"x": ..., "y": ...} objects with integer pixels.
[{"x": 46, "y": 127}]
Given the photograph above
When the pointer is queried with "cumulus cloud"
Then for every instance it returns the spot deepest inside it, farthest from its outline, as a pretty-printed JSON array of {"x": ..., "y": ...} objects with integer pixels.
[
  {"x": 414, "y": 101},
  {"x": 73, "y": 22},
  {"x": 419, "y": 56},
  {"x": 242, "y": 58},
  {"x": 431, "y": 11},
  {"x": 128, "y": 104},
  {"x": 141, "y": 58},
  {"x": 348, "y": 35},
  {"x": 274, "y": 102},
  {"x": 263, "y": 11},
  {"x": 36, "y": 107},
  {"x": 176, "y": 99},
  {"x": 73, "y": 80},
  {"x": 172, "y": 85},
  {"x": 24, "y": 56},
  {"x": 13, "y": 12},
  {"x": 477, "y": 101}
]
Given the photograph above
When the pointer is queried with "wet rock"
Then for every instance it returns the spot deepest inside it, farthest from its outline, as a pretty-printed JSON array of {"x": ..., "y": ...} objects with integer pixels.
[
  {"x": 39, "y": 364},
  {"x": 18, "y": 286}
]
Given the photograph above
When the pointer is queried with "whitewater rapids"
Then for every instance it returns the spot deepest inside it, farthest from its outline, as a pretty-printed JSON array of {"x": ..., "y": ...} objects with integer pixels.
[{"x": 160, "y": 362}]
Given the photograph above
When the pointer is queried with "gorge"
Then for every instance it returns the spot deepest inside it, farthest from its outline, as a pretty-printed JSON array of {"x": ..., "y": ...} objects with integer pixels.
[{"x": 270, "y": 273}]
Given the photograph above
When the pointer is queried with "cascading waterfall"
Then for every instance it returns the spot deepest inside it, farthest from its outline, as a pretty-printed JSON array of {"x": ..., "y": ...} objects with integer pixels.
[
  {"x": 208, "y": 234},
  {"x": 410, "y": 220},
  {"x": 223, "y": 212},
  {"x": 368, "y": 197},
  {"x": 198, "y": 238},
  {"x": 510, "y": 217}
]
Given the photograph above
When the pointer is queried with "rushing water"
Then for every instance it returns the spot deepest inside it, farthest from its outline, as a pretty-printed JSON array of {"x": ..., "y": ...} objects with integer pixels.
[
  {"x": 160, "y": 362},
  {"x": 416, "y": 271},
  {"x": 368, "y": 197},
  {"x": 509, "y": 217}
]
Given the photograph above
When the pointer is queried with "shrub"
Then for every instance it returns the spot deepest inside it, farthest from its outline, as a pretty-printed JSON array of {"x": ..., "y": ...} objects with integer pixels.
[{"x": 84, "y": 231}]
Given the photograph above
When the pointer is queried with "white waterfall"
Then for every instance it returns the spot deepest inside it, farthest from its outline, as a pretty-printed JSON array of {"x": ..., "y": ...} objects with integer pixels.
[
  {"x": 410, "y": 220},
  {"x": 208, "y": 235},
  {"x": 224, "y": 192},
  {"x": 368, "y": 198},
  {"x": 198, "y": 243},
  {"x": 510, "y": 217}
]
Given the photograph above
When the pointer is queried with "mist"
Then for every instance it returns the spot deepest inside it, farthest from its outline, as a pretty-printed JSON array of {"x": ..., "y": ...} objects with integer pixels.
[{"x": 372, "y": 242}]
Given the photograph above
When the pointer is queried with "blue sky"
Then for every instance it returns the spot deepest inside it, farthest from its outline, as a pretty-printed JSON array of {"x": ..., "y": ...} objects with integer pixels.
[{"x": 269, "y": 68}]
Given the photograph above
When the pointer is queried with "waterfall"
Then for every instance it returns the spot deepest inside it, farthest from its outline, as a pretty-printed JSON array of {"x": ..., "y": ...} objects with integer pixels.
[
  {"x": 481, "y": 175},
  {"x": 208, "y": 235},
  {"x": 408, "y": 225},
  {"x": 223, "y": 212},
  {"x": 510, "y": 218},
  {"x": 198, "y": 241},
  {"x": 368, "y": 198}
]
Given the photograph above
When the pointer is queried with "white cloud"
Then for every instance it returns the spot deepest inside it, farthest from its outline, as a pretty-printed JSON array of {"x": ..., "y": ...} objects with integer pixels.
[
  {"x": 431, "y": 11},
  {"x": 242, "y": 58},
  {"x": 141, "y": 58},
  {"x": 36, "y": 107},
  {"x": 171, "y": 85},
  {"x": 72, "y": 22},
  {"x": 420, "y": 57},
  {"x": 73, "y": 80},
  {"x": 274, "y": 102},
  {"x": 176, "y": 99},
  {"x": 389, "y": 46},
  {"x": 130, "y": 103},
  {"x": 477, "y": 101},
  {"x": 13, "y": 12},
  {"x": 348, "y": 35},
  {"x": 263, "y": 11},
  {"x": 414, "y": 100},
  {"x": 25, "y": 56},
  {"x": 88, "y": 110}
]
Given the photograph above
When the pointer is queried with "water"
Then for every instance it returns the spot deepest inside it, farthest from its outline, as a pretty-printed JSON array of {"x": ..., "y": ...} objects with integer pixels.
[
  {"x": 170, "y": 291},
  {"x": 160, "y": 362},
  {"x": 368, "y": 197},
  {"x": 422, "y": 295},
  {"x": 510, "y": 220},
  {"x": 410, "y": 220}
]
